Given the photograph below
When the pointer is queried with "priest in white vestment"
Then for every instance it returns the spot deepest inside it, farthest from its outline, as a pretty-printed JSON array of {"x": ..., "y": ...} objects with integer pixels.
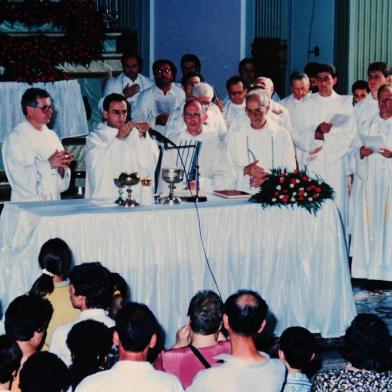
[
  {"x": 259, "y": 145},
  {"x": 379, "y": 74},
  {"x": 117, "y": 146},
  {"x": 130, "y": 82},
  {"x": 235, "y": 105},
  {"x": 371, "y": 197},
  {"x": 327, "y": 135},
  {"x": 155, "y": 104},
  {"x": 36, "y": 163},
  {"x": 199, "y": 146}
]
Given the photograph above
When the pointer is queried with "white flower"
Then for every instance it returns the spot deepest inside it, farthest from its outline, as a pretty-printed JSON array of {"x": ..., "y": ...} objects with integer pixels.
[
  {"x": 292, "y": 199},
  {"x": 273, "y": 199},
  {"x": 305, "y": 194},
  {"x": 301, "y": 189},
  {"x": 278, "y": 187},
  {"x": 294, "y": 193},
  {"x": 310, "y": 199},
  {"x": 281, "y": 196},
  {"x": 297, "y": 181},
  {"x": 291, "y": 185}
]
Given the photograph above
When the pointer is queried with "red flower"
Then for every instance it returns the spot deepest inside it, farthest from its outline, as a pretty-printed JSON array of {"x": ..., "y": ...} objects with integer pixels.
[
  {"x": 305, "y": 178},
  {"x": 281, "y": 180}
]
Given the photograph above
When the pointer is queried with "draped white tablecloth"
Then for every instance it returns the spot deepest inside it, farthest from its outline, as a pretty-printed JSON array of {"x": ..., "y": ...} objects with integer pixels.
[
  {"x": 297, "y": 262},
  {"x": 69, "y": 117}
]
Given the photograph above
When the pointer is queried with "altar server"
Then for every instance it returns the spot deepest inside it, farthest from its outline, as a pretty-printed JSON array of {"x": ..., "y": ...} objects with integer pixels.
[
  {"x": 36, "y": 163},
  {"x": 259, "y": 145},
  {"x": 115, "y": 147},
  {"x": 372, "y": 195},
  {"x": 327, "y": 133}
]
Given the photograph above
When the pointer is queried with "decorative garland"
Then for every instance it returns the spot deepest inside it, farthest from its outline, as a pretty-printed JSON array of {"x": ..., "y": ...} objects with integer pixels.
[
  {"x": 283, "y": 188},
  {"x": 34, "y": 58}
]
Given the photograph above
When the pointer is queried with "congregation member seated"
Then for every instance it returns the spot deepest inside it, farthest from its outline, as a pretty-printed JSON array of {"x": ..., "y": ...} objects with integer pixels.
[
  {"x": 366, "y": 346},
  {"x": 209, "y": 153},
  {"x": 296, "y": 349},
  {"x": 259, "y": 145},
  {"x": 197, "y": 342},
  {"x": 118, "y": 146},
  {"x": 36, "y": 163},
  {"x": 91, "y": 291},
  {"x": 10, "y": 357},
  {"x": 204, "y": 94},
  {"x": 130, "y": 82},
  {"x": 246, "y": 369},
  {"x": 56, "y": 261},
  {"x": 360, "y": 90},
  {"x": 235, "y": 105},
  {"x": 26, "y": 320},
  {"x": 44, "y": 372},
  {"x": 379, "y": 73},
  {"x": 155, "y": 104},
  {"x": 89, "y": 342},
  {"x": 190, "y": 63},
  {"x": 135, "y": 334}
]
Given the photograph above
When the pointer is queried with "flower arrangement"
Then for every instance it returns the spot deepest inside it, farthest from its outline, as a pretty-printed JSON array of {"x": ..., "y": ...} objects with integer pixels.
[
  {"x": 34, "y": 57},
  {"x": 283, "y": 188}
]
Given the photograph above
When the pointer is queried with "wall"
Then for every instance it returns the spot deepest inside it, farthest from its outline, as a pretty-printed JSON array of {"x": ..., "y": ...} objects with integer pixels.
[{"x": 209, "y": 29}]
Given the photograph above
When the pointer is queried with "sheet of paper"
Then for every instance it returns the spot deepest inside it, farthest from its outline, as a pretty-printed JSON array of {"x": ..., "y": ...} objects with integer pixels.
[
  {"x": 340, "y": 120},
  {"x": 375, "y": 142}
]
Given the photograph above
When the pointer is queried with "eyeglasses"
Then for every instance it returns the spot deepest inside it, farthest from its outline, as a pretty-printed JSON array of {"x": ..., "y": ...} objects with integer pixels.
[
  {"x": 164, "y": 71},
  {"x": 192, "y": 115},
  {"x": 44, "y": 108},
  {"x": 255, "y": 112}
]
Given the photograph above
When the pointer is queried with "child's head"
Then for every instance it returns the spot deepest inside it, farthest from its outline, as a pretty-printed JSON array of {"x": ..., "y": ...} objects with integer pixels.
[{"x": 297, "y": 347}]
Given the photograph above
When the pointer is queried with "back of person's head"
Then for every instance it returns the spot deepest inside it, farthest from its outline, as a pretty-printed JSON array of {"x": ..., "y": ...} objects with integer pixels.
[
  {"x": 10, "y": 356},
  {"x": 202, "y": 89},
  {"x": 381, "y": 67},
  {"x": 205, "y": 312},
  {"x": 246, "y": 311},
  {"x": 121, "y": 294},
  {"x": 367, "y": 342},
  {"x": 29, "y": 97},
  {"x": 298, "y": 346},
  {"x": 25, "y": 315},
  {"x": 135, "y": 325},
  {"x": 114, "y": 97},
  {"x": 159, "y": 63},
  {"x": 44, "y": 372},
  {"x": 55, "y": 259},
  {"x": 93, "y": 281},
  {"x": 89, "y": 342},
  {"x": 327, "y": 68}
]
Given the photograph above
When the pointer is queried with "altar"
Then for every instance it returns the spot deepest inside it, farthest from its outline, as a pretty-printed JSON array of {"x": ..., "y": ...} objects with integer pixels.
[{"x": 296, "y": 261}]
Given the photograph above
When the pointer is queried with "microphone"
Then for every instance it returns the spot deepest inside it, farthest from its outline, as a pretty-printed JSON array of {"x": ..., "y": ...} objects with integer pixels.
[{"x": 161, "y": 138}]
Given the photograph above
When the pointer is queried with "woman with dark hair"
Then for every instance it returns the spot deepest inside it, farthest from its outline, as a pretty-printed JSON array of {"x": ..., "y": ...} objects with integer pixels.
[
  {"x": 366, "y": 348},
  {"x": 121, "y": 294},
  {"x": 55, "y": 259},
  {"x": 90, "y": 342}
]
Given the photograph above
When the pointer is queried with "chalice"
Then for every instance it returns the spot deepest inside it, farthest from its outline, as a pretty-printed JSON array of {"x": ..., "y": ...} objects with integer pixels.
[
  {"x": 172, "y": 176},
  {"x": 126, "y": 181}
]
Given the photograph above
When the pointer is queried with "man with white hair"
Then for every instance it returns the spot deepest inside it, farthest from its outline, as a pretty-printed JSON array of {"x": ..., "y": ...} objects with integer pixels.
[
  {"x": 214, "y": 120},
  {"x": 259, "y": 145}
]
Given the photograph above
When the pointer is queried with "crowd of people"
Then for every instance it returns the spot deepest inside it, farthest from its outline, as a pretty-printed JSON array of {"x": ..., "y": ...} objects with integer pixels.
[
  {"x": 93, "y": 338},
  {"x": 100, "y": 340}
]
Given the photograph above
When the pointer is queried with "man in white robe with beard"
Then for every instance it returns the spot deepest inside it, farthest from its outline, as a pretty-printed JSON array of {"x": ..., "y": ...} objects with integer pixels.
[
  {"x": 215, "y": 169},
  {"x": 371, "y": 244},
  {"x": 118, "y": 146},
  {"x": 36, "y": 163},
  {"x": 328, "y": 132},
  {"x": 259, "y": 145}
]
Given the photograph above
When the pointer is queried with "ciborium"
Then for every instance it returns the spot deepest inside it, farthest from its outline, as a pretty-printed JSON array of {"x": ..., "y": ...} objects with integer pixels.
[
  {"x": 172, "y": 176},
  {"x": 125, "y": 182}
]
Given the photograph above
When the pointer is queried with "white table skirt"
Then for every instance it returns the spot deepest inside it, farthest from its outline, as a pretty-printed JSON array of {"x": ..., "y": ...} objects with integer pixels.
[
  {"x": 297, "y": 262},
  {"x": 69, "y": 116}
]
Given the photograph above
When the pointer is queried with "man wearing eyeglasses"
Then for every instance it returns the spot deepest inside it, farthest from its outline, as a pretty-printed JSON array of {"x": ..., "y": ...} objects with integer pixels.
[
  {"x": 36, "y": 163},
  {"x": 155, "y": 104},
  {"x": 117, "y": 146},
  {"x": 260, "y": 145}
]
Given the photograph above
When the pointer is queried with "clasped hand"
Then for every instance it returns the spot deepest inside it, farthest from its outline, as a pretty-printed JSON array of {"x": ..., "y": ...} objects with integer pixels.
[
  {"x": 126, "y": 129},
  {"x": 256, "y": 173},
  {"x": 60, "y": 159}
]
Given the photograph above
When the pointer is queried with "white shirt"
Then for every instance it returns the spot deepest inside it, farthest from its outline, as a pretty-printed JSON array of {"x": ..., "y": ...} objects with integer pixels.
[
  {"x": 366, "y": 109},
  {"x": 26, "y": 151},
  {"x": 118, "y": 84},
  {"x": 271, "y": 146},
  {"x": 232, "y": 111},
  {"x": 107, "y": 157},
  {"x": 127, "y": 376},
  {"x": 152, "y": 102},
  {"x": 215, "y": 168},
  {"x": 58, "y": 343},
  {"x": 237, "y": 375}
]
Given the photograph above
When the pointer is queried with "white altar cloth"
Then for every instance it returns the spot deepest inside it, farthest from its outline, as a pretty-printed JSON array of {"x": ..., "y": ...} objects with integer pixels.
[
  {"x": 69, "y": 114},
  {"x": 297, "y": 262}
]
